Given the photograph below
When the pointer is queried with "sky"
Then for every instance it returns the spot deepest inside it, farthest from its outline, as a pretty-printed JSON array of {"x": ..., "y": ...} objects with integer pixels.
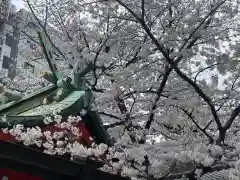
[{"x": 18, "y": 3}]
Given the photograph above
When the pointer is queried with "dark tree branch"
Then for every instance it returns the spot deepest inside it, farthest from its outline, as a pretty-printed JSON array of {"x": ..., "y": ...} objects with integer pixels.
[
  {"x": 129, "y": 10},
  {"x": 204, "y": 69},
  {"x": 143, "y": 8},
  {"x": 229, "y": 93},
  {"x": 193, "y": 120},
  {"x": 135, "y": 57},
  {"x": 120, "y": 123},
  {"x": 110, "y": 115},
  {"x": 174, "y": 65},
  {"x": 212, "y": 12},
  {"x": 210, "y": 122},
  {"x": 159, "y": 92},
  {"x": 143, "y": 92},
  {"x": 61, "y": 21},
  {"x": 46, "y": 16},
  {"x": 233, "y": 116},
  {"x": 121, "y": 104},
  {"x": 44, "y": 29},
  {"x": 97, "y": 90}
]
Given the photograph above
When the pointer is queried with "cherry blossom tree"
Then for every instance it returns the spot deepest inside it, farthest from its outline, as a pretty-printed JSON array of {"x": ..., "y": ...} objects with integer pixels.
[{"x": 166, "y": 68}]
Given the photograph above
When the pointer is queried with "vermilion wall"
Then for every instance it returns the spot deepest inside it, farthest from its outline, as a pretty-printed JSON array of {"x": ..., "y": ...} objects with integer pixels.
[{"x": 7, "y": 174}]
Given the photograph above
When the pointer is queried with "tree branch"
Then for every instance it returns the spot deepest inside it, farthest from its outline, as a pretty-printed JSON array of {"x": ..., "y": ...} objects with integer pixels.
[
  {"x": 159, "y": 92},
  {"x": 201, "y": 23},
  {"x": 210, "y": 122},
  {"x": 143, "y": 9},
  {"x": 46, "y": 15},
  {"x": 193, "y": 120},
  {"x": 44, "y": 29},
  {"x": 114, "y": 124},
  {"x": 143, "y": 92},
  {"x": 129, "y": 10},
  {"x": 174, "y": 65},
  {"x": 234, "y": 114},
  {"x": 208, "y": 67},
  {"x": 61, "y": 21},
  {"x": 110, "y": 115}
]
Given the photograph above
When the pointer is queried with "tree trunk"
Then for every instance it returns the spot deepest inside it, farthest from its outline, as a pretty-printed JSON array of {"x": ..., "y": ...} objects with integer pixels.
[{"x": 221, "y": 137}]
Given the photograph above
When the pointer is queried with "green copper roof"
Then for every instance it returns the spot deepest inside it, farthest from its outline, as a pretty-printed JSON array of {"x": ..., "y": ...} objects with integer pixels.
[
  {"x": 28, "y": 96},
  {"x": 55, "y": 106}
]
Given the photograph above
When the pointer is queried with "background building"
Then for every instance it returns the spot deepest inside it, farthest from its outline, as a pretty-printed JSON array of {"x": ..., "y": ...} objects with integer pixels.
[
  {"x": 19, "y": 49},
  {"x": 18, "y": 46},
  {"x": 9, "y": 40}
]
